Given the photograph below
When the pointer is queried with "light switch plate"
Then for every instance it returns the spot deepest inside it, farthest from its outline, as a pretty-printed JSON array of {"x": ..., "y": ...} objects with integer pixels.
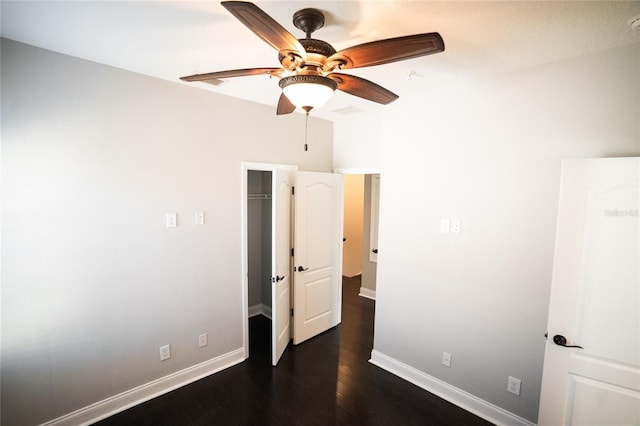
[
  {"x": 172, "y": 220},
  {"x": 456, "y": 227},
  {"x": 199, "y": 218}
]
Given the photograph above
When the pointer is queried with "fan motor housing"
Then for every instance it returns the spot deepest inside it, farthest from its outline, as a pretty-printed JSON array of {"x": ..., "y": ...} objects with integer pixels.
[
  {"x": 317, "y": 53},
  {"x": 312, "y": 45}
]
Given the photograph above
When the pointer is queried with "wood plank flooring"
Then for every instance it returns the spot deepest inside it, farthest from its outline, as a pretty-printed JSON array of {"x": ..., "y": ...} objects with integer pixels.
[{"x": 324, "y": 381}]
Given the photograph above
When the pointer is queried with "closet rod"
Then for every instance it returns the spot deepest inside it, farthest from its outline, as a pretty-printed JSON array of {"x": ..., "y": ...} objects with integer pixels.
[{"x": 259, "y": 196}]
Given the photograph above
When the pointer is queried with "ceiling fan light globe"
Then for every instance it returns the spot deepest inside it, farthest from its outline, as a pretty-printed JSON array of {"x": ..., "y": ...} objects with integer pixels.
[{"x": 308, "y": 91}]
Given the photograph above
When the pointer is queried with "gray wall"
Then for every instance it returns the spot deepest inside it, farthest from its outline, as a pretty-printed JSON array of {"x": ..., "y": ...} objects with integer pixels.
[
  {"x": 486, "y": 150},
  {"x": 93, "y": 283}
]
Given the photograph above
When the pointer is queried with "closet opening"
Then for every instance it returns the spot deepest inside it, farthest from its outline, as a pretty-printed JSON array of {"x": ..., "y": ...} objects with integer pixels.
[{"x": 259, "y": 246}]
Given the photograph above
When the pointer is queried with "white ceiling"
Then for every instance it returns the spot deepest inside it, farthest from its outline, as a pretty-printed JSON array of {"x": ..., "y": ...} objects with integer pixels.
[{"x": 169, "y": 39}]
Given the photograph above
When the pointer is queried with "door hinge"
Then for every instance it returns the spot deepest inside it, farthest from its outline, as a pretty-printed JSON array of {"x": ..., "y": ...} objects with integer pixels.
[
  {"x": 291, "y": 311},
  {"x": 291, "y": 251},
  {"x": 293, "y": 190}
]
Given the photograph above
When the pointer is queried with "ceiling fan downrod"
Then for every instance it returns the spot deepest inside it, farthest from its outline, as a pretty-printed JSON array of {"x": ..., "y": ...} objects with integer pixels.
[{"x": 308, "y": 20}]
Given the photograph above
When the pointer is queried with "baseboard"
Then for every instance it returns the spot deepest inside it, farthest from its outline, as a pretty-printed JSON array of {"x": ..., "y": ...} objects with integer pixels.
[
  {"x": 368, "y": 293},
  {"x": 260, "y": 309},
  {"x": 266, "y": 311},
  {"x": 135, "y": 396},
  {"x": 462, "y": 399},
  {"x": 255, "y": 310}
]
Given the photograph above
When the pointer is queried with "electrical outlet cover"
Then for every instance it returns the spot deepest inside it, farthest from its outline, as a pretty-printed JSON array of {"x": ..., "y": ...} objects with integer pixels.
[
  {"x": 165, "y": 352},
  {"x": 446, "y": 359},
  {"x": 514, "y": 385},
  {"x": 202, "y": 340}
]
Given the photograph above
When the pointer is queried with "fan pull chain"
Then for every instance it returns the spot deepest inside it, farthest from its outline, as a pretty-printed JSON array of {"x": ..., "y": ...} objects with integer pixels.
[{"x": 306, "y": 131}]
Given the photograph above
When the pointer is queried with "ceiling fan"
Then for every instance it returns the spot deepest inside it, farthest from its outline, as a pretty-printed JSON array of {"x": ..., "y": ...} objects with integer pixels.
[{"x": 308, "y": 74}]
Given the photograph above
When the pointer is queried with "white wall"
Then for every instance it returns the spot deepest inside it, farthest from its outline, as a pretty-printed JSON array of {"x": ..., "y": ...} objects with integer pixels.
[
  {"x": 356, "y": 140},
  {"x": 487, "y": 151},
  {"x": 93, "y": 283}
]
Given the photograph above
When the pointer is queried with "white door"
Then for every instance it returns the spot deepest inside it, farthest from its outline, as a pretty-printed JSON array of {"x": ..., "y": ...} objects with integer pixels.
[
  {"x": 280, "y": 263},
  {"x": 317, "y": 275},
  {"x": 595, "y": 298}
]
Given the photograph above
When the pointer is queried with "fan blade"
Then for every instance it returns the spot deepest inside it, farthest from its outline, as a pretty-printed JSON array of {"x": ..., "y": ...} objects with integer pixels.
[
  {"x": 389, "y": 50},
  {"x": 284, "y": 105},
  {"x": 363, "y": 88},
  {"x": 265, "y": 27},
  {"x": 232, "y": 73}
]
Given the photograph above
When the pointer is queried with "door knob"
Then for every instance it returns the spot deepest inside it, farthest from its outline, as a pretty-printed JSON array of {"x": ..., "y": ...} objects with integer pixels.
[
  {"x": 375, "y": 251},
  {"x": 562, "y": 341},
  {"x": 300, "y": 269}
]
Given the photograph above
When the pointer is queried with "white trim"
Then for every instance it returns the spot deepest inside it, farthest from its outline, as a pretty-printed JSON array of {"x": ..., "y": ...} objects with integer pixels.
[
  {"x": 265, "y": 310},
  {"x": 255, "y": 310},
  {"x": 456, "y": 396},
  {"x": 359, "y": 171},
  {"x": 368, "y": 293},
  {"x": 260, "y": 309},
  {"x": 117, "y": 403}
]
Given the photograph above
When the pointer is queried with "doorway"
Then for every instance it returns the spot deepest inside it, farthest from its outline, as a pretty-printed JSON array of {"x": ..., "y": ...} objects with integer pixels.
[
  {"x": 310, "y": 239},
  {"x": 361, "y": 229},
  {"x": 259, "y": 242}
]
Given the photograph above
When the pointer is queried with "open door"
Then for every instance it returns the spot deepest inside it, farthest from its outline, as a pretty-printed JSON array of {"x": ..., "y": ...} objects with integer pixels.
[
  {"x": 280, "y": 263},
  {"x": 318, "y": 210},
  {"x": 592, "y": 358}
]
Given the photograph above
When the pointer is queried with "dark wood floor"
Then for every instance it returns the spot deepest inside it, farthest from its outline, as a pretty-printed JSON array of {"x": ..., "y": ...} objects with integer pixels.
[{"x": 324, "y": 381}]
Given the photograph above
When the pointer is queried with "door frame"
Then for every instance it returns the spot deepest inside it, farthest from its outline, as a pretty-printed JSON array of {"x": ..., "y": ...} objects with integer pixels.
[{"x": 244, "y": 244}]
